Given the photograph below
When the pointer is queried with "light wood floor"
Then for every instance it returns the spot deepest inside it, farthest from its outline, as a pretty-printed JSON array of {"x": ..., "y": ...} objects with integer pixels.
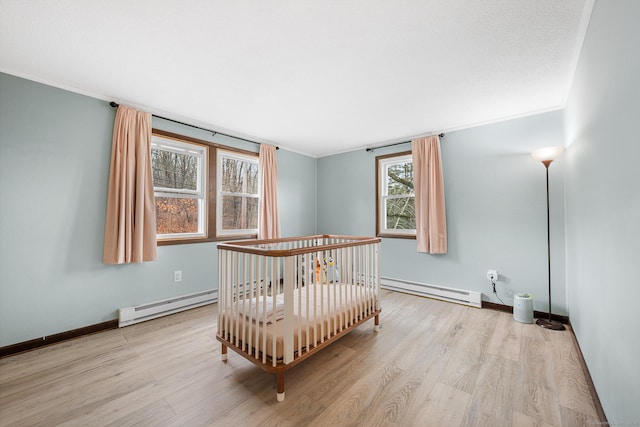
[{"x": 432, "y": 364}]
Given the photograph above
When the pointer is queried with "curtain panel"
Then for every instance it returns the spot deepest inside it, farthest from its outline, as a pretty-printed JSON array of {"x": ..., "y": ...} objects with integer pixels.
[
  {"x": 130, "y": 226},
  {"x": 268, "y": 213},
  {"x": 431, "y": 224}
]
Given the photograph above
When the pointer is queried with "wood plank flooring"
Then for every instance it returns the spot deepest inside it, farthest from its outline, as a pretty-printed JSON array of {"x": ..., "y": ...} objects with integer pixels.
[{"x": 431, "y": 364}]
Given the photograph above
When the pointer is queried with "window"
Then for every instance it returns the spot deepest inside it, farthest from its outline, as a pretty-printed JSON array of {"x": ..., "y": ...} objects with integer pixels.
[
  {"x": 179, "y": 171},
  {"x": 237, "y": 193},
  {"x": 187, "y": 175},
  {"x": 396, "y": 212}
]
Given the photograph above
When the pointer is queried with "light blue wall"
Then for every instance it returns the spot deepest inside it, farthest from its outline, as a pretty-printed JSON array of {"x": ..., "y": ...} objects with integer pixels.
[
  {"x": 297, "y": 193},
  {"x": 603, "y": 206},
  {"x": 496, "y": 210},
  {"x": 54, "y": 164}
]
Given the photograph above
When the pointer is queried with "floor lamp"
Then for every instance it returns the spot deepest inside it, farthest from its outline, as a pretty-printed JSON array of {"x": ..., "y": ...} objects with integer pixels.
[{"x": 546, "y": 156}]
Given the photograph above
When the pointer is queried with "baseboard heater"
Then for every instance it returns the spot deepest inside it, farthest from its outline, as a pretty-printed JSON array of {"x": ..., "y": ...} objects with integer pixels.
[
  {"x": 140, "y": 313},
  {"x": 459, "y": 296}
]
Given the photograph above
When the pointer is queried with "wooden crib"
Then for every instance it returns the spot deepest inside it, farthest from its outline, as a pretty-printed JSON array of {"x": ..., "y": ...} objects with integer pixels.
[{"x": 282, "y": 300}]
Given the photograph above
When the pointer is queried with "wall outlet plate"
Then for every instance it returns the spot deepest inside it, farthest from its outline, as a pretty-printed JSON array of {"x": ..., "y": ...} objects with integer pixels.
[
  {"x": 177, "y": 276},
  {"x": 492, "y": 275}
]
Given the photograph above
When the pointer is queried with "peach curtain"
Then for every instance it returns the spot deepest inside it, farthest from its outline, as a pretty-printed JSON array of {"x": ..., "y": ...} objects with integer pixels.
[
  {"x": 268, "y": 214},
  {"x": 431, "y": 224},
  {"x": 130, "y": 227}
]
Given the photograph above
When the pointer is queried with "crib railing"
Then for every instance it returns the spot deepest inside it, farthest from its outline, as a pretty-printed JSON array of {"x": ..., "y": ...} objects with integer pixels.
[{"x": 279, "y": 299}]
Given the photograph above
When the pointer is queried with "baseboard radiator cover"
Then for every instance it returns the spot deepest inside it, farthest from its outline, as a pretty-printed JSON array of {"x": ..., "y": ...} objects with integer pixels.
[
  {"x": 143, "y": 312},
  {"x": 460, "y": 296}
]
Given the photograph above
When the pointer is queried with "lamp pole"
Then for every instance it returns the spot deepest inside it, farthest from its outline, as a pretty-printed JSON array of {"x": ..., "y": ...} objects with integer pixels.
[{"x": 549, "y": 323}]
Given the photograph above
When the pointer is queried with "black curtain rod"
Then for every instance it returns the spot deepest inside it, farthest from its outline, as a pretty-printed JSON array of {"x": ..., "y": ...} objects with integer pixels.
[
  {"x": 115, "y": 105},
  {"x": 370, "y": 149}
]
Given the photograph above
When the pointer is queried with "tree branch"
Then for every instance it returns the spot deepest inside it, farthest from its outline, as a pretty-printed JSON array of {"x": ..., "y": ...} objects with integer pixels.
[{"x": 395, "y": 177}]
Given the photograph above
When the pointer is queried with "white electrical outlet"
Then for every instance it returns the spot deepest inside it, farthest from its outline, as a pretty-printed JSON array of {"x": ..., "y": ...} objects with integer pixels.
[
  {"x": 177, "y": 276},
  {"x": 492, "y": 275}
]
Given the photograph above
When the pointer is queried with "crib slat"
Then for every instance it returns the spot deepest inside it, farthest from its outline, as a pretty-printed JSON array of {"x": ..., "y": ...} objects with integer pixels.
[
  {"x": 221, "y": 294},
  {"x": 229, "y": 292},
  {"x": 298, "y": 287},
  {"x": 316, "y": 330},
  {"x": 242, "y": 288},
  {"x": 262, "y": 345},
  {"x": 366, "y": 280},
  {"x": 323, "y": 317},
  {"x": 377, "y": 275},
  {"x": 309, "y": 288},
  {"x": 289, "y": 275},
  {"x": 250, "y": 295},
  {"x": 273, "y": 280},
  {"x": 341, "y": 302}
]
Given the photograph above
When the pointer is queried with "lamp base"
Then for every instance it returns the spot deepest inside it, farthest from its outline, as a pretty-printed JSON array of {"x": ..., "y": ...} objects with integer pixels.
[{"x": 550, "y": 324}]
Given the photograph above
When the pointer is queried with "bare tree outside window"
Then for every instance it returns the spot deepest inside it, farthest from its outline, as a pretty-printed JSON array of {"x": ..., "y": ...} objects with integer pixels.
[
  {"x": 239, "y": 189},
  {"x": 174, "y": 170},
  {"x": 395, "y": 210},
  {"x": 401, "y": 211},
  {"x": 178, "y": 172}
]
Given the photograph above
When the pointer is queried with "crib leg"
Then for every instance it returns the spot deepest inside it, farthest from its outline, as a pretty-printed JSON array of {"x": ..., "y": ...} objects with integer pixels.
[
  {"x": 223, "y": 354},
  {"x": 280, "y": 394},
  {"x": 376, "y": 323}
]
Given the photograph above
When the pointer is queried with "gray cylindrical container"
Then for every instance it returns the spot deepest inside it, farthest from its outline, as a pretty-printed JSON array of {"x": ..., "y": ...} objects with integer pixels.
[{"x": 523, "y": 308}]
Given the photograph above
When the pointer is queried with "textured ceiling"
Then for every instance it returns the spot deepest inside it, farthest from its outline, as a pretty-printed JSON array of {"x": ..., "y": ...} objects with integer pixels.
[{"x": 316, "y": 77}]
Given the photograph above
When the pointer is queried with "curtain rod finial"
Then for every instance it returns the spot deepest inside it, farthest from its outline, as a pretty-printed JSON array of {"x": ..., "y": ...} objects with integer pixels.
[
  {"x": 441, "y": 135},
  {"x": 113, "y": 104}
]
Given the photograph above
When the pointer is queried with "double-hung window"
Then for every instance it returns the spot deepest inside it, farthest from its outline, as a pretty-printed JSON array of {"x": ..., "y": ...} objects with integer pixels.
[
  {"x": 396, "y": 211},
  {"x": 237, "y": 193},
  {"x": 179, "y": 183},
  {"x": 203, "y": 191}
]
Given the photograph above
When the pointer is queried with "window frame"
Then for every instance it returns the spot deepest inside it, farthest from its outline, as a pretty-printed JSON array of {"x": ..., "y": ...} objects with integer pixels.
[
  {"x": 382, "y": 164},
  {"x": 200, "y": 152},
  {"x": 235, "y": 155},
  {"x": 210, "y": 190}
]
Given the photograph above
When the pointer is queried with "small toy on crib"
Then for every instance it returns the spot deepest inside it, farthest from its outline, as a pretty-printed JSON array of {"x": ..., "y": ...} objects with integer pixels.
[{"x": 331, "y": 271}]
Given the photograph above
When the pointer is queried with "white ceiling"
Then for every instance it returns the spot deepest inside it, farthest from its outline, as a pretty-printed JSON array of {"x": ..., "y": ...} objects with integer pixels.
[{"x": 316, "y": 77}]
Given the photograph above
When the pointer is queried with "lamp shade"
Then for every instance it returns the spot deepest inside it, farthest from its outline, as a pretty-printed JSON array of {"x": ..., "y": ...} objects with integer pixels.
[{"x": 547, "y": 153}]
